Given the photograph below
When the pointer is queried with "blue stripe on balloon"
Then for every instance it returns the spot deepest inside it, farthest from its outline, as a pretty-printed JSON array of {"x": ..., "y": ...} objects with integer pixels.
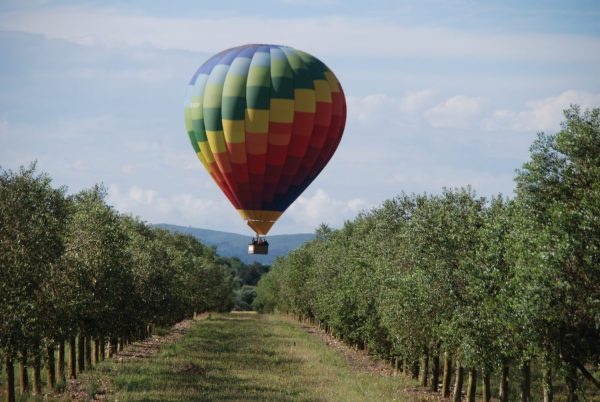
[
  {"x": 197, "y": 88},
  {"x": 240, "y": 66},
  {"x": 218, "y": 74},
  {"x": 261, "y": 59}
]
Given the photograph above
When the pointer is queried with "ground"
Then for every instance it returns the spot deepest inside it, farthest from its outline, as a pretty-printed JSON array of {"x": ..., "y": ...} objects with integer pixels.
[{"x": 243, "y": 357}]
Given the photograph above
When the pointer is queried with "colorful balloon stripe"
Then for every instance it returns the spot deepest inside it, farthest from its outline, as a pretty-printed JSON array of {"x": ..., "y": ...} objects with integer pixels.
[{"x": 264, "y": 120}]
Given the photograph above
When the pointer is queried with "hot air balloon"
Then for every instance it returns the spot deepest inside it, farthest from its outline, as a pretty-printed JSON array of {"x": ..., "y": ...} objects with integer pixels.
[{"x": 264, "y": 121}]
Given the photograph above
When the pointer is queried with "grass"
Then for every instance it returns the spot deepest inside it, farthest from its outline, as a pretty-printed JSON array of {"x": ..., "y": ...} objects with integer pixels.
[{"x": 245, "y": 357}]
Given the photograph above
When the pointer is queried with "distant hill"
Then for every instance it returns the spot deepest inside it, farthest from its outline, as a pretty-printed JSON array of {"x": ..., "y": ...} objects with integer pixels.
[{"x": 236, "y": 245}]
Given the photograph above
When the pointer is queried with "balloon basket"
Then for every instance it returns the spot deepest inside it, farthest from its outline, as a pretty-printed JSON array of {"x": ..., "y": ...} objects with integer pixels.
[
  {"x": 258, "y": 246},
  {"x": 258, "y": 249}
]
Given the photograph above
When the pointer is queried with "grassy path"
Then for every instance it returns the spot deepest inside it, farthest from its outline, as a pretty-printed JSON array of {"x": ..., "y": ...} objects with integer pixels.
[{"x": 245, "y": 357}]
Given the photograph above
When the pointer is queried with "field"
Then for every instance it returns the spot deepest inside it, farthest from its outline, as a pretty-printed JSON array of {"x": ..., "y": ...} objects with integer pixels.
[{"x": 245, "y": 357}]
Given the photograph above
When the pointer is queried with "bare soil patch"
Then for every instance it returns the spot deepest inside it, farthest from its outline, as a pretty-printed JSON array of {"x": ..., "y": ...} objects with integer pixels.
[{"x": 356, "y": 358}]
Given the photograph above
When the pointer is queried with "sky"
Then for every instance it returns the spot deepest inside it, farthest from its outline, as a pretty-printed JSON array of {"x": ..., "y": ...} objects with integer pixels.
[{"x": 439, "y": 93}]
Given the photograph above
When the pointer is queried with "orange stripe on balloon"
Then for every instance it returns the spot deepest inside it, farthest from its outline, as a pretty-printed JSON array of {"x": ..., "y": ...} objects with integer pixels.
[
  {"x": 237, "y": 153},
  {"x": 256, "y": 143},
  {"x": 222, "y": 160}
]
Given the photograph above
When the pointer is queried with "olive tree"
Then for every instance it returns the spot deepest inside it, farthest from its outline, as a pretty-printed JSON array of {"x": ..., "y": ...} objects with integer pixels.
[
  {"x": 32, "y": 220},
  {"x": 557, "y": 246}
]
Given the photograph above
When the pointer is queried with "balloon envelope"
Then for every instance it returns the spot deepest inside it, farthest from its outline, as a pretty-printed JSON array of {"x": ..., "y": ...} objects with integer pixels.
[{"x": 264, "y": 121}]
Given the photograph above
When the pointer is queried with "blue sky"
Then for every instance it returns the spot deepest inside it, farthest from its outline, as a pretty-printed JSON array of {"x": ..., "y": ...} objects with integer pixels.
[{"x": 440, "y": 93}]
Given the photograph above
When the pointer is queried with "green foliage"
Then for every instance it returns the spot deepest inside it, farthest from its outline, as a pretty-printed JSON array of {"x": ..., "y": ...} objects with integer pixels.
[
  {"x": 98, "y": 267},
  {"x": 73, "y": 266},
  {"x": 32, "y": 222},
  {"x": 247, "y": 274},
  {"x": 244, "y": 298},
  {"x": 556, "y": 245},
  {"x": 489, "y": 281}
]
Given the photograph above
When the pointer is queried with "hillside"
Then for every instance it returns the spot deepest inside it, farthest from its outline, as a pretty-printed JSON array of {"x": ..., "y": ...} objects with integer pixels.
[{"x": 236, "y": 245}]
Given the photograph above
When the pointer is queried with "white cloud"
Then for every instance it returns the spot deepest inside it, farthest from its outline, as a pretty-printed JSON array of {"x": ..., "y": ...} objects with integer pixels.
[
  {"x": 434, "y": 177},
  {"x": 414, "y": 101},
  {"x": 138, "y": 195},
  {"x": 542, "y": 114},
  {"x": 459, "y": 111},
  {"x": 174, "y": 208},
  {"x": 382, "y": 112},
  {"x": 322, "y": 35},
  {"x": 309, "y": 211},
  {"x": 365, "y": 109}
]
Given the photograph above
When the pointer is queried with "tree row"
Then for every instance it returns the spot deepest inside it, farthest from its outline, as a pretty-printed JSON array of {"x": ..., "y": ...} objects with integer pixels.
[
  {"x": 76, "y": 275},
  {"x": 453, "y": 288}
]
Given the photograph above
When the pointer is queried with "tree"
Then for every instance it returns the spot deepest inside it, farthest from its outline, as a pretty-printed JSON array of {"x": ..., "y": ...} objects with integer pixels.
[
  {"x": 32, "y": 220},
  {"x": 99, "y": 267},
  {"x": 557, "y": 244}
]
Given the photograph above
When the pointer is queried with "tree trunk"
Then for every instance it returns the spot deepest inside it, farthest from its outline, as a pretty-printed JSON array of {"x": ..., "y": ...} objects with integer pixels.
[
  {"x": 486, "y": 389},
  {"x": 447, "y": 375},
  {"x": 415, "y": 370},
  {"x": 37, "y": 370},
  {"x": 405, "y": 366},
  {"x": 472, "y": 385},
  {"x": 10, "y": 381},
  {"x": 81, "y": 353},
  {"x": 24, "y": 377},
  {"x": 572, "y": 382},
  {"x": 121, "y": 343},
  {"x": 525, "y": 382},
  {"x": 113, "y": 347},
  {"x": 435, "y": 370},
  {"x": 424, "y": 368},
  {"x": 458, "y": 384},
  {"x": 61, "y": 361},
  {"x": 88, "y": 351},
  {"x": 72, "y": 358},
  {"x": 96, "y": 354},
  {"x": 51, "y": 368},
  {"x": 102, "y": 348},
  {"x": 503, "y": 391},
  {"x": 547, "y": 382}
]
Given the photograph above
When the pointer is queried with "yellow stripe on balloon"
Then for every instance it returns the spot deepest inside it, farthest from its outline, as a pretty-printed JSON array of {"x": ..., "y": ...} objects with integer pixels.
[
  {"x": 188, "y": 119},
  {"x": 259, "y": 77},
  {"x": 213, "y": 95},
  {"x": 260, "y": 221},
  {"x": 206, "y": 152},
  {"x": 304, "y": 100},
  {"x": 258, "y": 215},
  {"x": 204, "y": 162},
  {"x": 322, "y": 91},
  {"x": 332, "y": 81},
  {"x": 216, "y": 141},
  {"x": 234, "y": 131},
  {"x": 196, "y": 110},
  {"x": 282, "y": 110},
  {"x": 257, "y": 121},
  {"x": 235, "y": 85}
]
